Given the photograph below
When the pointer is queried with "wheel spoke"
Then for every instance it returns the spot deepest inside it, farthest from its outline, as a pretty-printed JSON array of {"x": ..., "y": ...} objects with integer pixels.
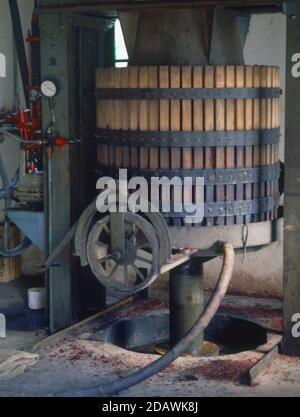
[
  {"x": 105, "y": 259},
  {"x": 144, "y": 245},
  {"x": 134, "y": 233},
  {"x": 126, "y": 277},
  {"x": 100, "y": 245},
  {"x": 138, "y": 272},
  {"x": 112, "y": 271},
  {"x": 145, "y": 260},
  {"x": 106, "y": 229}
]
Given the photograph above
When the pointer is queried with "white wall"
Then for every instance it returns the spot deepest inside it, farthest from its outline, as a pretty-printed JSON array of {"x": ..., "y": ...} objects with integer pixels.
[{"x": 261, "y": 273}]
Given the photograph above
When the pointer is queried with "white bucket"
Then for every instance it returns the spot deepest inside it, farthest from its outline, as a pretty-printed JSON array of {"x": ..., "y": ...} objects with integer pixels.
[{"x": 36, "y": 298}]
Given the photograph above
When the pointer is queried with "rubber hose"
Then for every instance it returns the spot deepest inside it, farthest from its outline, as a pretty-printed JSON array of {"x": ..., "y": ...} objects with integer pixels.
[{"x": 161, "y": 363}]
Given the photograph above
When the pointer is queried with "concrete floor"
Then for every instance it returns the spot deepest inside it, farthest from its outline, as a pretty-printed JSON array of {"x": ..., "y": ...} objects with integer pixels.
[{"x": 76, "y": 362}]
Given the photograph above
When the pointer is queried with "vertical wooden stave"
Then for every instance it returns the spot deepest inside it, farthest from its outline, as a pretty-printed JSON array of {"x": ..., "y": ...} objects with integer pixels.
[
  {"x": 209, "y": 124},
  {"x": 258, "y": 151},
  {"x": 99, "y": 113},
  {"x": 117, "y": 108},
  {"x": 110, "y": 116},
  {"x": 134, "y": 115},
  {"x": 198, "y": 152},
  {"x": 125, "y": 116},
  {"x": 230, "y": 125},
  {"x": 186, "y": 122},
  {"x": 268, "y": 148},
  {"x": 144, "y": 115},
  {"x": 263, "y": 125},
  {"x": 164, "y": 118},
  {"x": 248, "y": 126},
  {"x": 240, "y": 125},
  {"x": 153, "y": 118},
  {"x": 175, "y": 126},
  {"x": 220, "y": 125}
]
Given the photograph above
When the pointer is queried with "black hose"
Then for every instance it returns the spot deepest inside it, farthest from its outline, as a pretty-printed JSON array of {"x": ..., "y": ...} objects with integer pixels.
[{"x": 161, "y": 363}]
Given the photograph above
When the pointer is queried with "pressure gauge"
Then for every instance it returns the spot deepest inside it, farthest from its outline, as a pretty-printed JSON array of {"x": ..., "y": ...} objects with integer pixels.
[{"x": 49, "y": 89}]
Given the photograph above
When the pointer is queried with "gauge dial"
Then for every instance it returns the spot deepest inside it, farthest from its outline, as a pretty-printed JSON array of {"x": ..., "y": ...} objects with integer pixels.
[{"x": 48, "y": 88}]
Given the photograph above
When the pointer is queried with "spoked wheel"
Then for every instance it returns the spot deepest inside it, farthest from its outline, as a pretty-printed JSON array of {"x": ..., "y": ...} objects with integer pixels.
[{"x": 134, "y": 269}]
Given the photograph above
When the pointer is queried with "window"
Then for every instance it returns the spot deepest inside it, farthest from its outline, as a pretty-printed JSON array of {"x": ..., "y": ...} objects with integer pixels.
[
  {"x": 121, "y": 54},
  {"x": 2, "y": 66}
]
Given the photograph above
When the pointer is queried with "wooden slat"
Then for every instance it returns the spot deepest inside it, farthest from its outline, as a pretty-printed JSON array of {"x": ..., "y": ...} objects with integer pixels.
[
  {"x": 111, "y": 115},
  {"x": 269, "y": 148},
  {"x": 153, "y": 117},
  {"x": 118, "y": 115},
  {"x": 198, "y": 153},
  {"x": 248, "y": 126},
  {"x": 220, "y": 125},
  {"x": 258, "y": 151},
  {"x": 164, "y": 119},
  {"x": 274, "y": 184},
  {"x": 198, "y": 116},
  {"x": 125, "y": 115},
  {"x": 99, "y": 113},
  {"x": 230, "y": 125},
  {"x": 209, "y": 124},
  {"x": 144, "y": 115},
  {"x": 164, "y": 122},
  {"x": 175, "y": 125},
  {"x": 175, "y": 116},
  {"x": 134, "y": 114},
  {"x": 186, "y": 82},
  {"x": 263, "y": 125},
  {"x": 101, "y": 117},
  {"x": 240, "y": 125}
]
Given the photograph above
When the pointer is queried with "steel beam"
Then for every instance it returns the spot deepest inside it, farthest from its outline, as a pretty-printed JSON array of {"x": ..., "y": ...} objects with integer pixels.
[
  {"x": 56, "y": 65},
  {"x": 291, "y": 343},
  {"x": 105, "y": 5}
]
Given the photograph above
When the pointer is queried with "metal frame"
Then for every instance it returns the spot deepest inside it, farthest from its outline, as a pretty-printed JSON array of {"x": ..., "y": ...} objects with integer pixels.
[
  {"x": 56, "y": 64},
  {"x": 59, "y": 34},
  {"x": 247, "y": 6}
]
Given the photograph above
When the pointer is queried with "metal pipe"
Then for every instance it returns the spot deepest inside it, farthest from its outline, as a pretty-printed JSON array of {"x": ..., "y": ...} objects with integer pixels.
[
  {"x": 164, "y": 361},
  {"x": 186, "y": 302},
  {"x": 7, "y": 132}
]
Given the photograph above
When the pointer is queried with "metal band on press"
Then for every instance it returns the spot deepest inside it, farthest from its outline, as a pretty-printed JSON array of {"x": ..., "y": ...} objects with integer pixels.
[
  {"x": 211, "y": 176},
  {"x": 186, "y": 93},
  {"x": 188, "y": 139},
  {"x": 232, "y": 208}
]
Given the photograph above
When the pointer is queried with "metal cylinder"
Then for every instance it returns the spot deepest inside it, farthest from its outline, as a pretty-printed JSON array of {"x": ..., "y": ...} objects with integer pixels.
[{"x": 186, "y": 302}]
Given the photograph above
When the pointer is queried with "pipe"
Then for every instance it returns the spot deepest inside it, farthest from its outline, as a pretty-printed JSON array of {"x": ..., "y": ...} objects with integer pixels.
[
  {"x": 199, "y": 327},
  {"x": 186, "y": 302},
  {"x": 8, "y": 133},
  {"x": 18, "y": 250}
]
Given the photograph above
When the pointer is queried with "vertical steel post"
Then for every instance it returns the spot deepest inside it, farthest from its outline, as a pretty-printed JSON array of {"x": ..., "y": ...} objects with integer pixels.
[
  {"x": 291, "y": 304},
  {"x": 186, "y": 302},
  {"x": 56, "y": 65}
]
